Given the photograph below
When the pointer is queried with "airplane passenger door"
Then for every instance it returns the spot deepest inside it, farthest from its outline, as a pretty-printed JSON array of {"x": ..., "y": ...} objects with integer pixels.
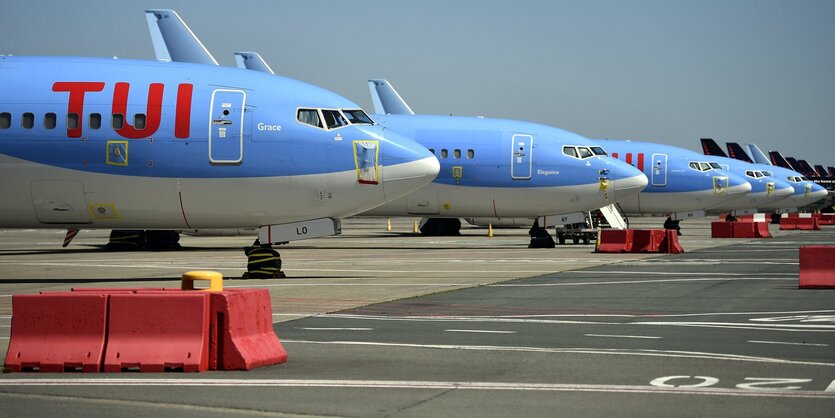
[
  {"x": 226, "y": 127},
  {"x": 521, "y": 157},
  {"x": 659, "y": 169}
]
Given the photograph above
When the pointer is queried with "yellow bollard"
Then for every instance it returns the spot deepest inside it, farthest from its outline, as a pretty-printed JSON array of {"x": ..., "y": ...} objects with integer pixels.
[
  {"x": 214, "y": 278},
  {"x": 388, "y": 224},
  {"x": 489, "y": 230},
  {"x": 597, "y": 243},
  {"x": 415, "y": 229}
]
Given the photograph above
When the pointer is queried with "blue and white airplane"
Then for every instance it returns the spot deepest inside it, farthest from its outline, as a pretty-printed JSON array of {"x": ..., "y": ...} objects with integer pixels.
[
  {"x": 681, "y": 182},
  {"x": 489, "y": 167},
  {"x": 112, "y": 143},
  {"x": 804, "y": 192}
]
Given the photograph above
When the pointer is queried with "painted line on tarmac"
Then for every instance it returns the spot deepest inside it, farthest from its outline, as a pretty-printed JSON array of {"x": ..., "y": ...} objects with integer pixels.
[
  {"x": 335, "y": 329},
  {"x": 788, "y": 343},
  {"x": 694, "y": 279},
  {"x": 405, "y": 384},
  {"x": 674, "y": 273},
  {"x": 355, "y": 284},
  {"x": 505, "y": 319},
  {"x": 623, "y": 336},
  {"x": 482, "y": 331},
  {"x": 576, "y": 350}
]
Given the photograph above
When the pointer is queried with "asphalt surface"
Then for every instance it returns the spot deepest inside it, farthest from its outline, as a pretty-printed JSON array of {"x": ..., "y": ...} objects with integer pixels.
[{"x": 387, "y": 324}]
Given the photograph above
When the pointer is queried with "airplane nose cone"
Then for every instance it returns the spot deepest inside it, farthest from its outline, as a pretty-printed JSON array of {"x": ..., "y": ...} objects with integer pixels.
[
  {"x": 737, "y": 185},
  {"x": 782, "y": 189},
  {"x": 627, "y": 181},
  {"x": 406, "y": 166}
]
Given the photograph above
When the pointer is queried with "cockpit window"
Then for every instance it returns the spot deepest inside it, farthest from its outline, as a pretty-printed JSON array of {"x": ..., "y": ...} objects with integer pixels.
[
  {"x": 333, "y": 118},
  {"x": 694, "y": 165},
  {"x": 749, "y": 173},
  {"x": 357, "y": 117},
  {"x": 715, "y": 166},
  {"x": 803, "y": 178},
  {"x": 759, "y": 174},
  {"x": 705, "y": 166},
  {"x": 598, "y": 151},
  {"x": 309, "y": 117},
  {"x": 585, "y": 152},
  {"x": 569, "y": 151},
  {"x": 768, "y": 173}
]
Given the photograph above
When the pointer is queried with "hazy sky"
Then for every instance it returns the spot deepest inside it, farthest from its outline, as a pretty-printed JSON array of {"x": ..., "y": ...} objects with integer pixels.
[{"x": 667, "y": 71}]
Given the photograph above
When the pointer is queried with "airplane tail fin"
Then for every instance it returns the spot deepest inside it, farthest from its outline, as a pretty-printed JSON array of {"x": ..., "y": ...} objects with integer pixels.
[
  {"x": 757, "y": 154},
  {"x": 710, "y": 147},
  {"x": 735, "y": 151},
  {"x": 820, "y": 171},
  {"x": 807, "y": 168},
  {"x": 794, "y": 164},
  {"x": 386, "y": 100},
  {"x": 831, "y": 170},
  {"x": 252, "y": 61},
  {"x": 778, "y": 160},
  {"x": 174, "y": 41}
]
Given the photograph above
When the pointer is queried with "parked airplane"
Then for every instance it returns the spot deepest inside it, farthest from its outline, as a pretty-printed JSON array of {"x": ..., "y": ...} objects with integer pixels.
[
  {"x": 823, "y": 177},
  {"x": 489, "y": 167},
  {"x": 112, "y": 143},
  {"x": 805, "y": 192}
]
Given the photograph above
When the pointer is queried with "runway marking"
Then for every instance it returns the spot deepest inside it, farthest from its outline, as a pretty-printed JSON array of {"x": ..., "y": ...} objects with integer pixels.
[
  {"x": 485, "y": 331},
  {"x": 353, "y": 284},
  {"x": 705, "y": 279},
  {"x": 623, "y": 336},
  {"x": 576, "y": 350},
  {"x": 5, "y": 296},
  {"x": 788, "y": 343},
  {"x": 673, "y": 273},
  {"x": 405, "y": 384},
  {"x": 524, "y": 316},
  {"x": 335, "y": 329},
  {"x": 728, "y": 325}
]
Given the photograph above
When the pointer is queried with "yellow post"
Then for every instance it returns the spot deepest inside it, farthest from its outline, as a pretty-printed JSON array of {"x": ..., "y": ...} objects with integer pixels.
[
  {"x": 489, "y": 230},
  {"x": 214, "y": 278},
  {"x": 415, "y": 229},
  {"x": 597, "y": 243},
  {"x": 388, "y": 224}
]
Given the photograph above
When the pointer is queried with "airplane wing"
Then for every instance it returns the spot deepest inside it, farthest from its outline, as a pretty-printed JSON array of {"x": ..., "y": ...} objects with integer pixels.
[
  {"x": 174, "y": 41},
  {"x": 386, "y": 100},
  {"x": 756, "y": 153},
  {"x": 252, "y": 61}
]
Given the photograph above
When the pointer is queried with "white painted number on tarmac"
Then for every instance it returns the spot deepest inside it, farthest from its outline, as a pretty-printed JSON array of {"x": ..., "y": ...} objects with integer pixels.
[
  {"x": 760, "y": 383},
  {"x": 706, "y": 381}
]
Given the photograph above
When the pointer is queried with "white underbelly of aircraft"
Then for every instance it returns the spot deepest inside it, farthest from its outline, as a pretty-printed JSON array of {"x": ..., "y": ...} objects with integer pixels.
[
  {"x": 42, "y": 196},
  {"x": 440, "y": 200},
  {"x": 668, "y": 202}
]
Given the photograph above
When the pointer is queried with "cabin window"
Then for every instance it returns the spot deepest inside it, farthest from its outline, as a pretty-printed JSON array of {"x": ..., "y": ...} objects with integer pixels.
[
  {"x": 5, "y": 120},
  {"x": 333, "y": 119},
  {"x": 470, "y": 154},
  {"x": 28, "y": 121},
  {"x": 456, "y": 153},
  {"x": 95, "y": 120},
  {"x": 309, "y": 117},
  {"x": 598, "y": 151},
  {"x": 444, "y": 153},
  {"x": 569, "y": 151},
  {"x": 50, "y": 120},
  {"x": 72, "y": 120},
  {"x": 357, "y": 117},
  {"x": 585, "y": 152},
  {"x": 118, "y": 121},
  {"x": 139, "y": 121}
]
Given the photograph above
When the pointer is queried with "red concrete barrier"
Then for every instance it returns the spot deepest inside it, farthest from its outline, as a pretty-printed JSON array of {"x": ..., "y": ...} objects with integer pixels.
[
  {"x": 671, "y": 244},
  {"x": 788, "y": 223},
  {"x": 57, "y": 333},
  {"x": 721, "y": 229},
  {"x": 647, "y": 240},
  {"x": 827, "y": 219},
  {"x": 817, "y": 267},
  {"x": 743, "y": 229},
  {"x": 615, "y": 241},
  {"x": 808, "y": 224},
  {"x": 155, "y": 332},
  {"x": 242, "y": 336},
  {"x": 761, "y": 230}
]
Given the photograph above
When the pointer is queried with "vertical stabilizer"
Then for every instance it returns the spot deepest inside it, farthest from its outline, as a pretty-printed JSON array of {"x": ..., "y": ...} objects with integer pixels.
[
  {"x": 778, "y": 160},
  {"x": 386, "y": 100},
  {"x": 710, "y": 147},
  {"x": 252, "y": 61},
  {"x": 736, "y": 152},
  {"x": 174, "y": 41},
  {"x": 820, "y": 171},
  {"x": 794, "y": 164},
  {"x": 756, "y": 153}
]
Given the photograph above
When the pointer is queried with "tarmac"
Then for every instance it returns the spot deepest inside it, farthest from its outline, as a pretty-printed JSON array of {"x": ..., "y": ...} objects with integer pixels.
[{"x": 388, "y": 323}]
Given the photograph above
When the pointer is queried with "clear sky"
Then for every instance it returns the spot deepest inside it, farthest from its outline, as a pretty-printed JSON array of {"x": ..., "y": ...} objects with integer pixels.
[{"x": 667, "y": 71}]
